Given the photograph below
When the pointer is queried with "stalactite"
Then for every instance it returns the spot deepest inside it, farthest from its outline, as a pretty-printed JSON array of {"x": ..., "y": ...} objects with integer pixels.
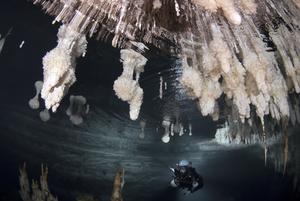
[
  {"x": 157, "y": 4},
  {"x": 227, "y": 7},
  {"x": 181, "y": 130},
  {"x": 142, "y": 125},
  {"x": 2, "y": 40},
  {"x": 166, "y": 123},
  {"x": 248, "y": 6},
  {"x": 59, "y": 66},
  {"x": 22, "y": 43},
  {"x": 34, "y": 102},
  {"x": 77, "y": 109},
  {"x": 286, "y": 152},
  {"x": 243, "y": 51},
  {"x": 266, "y": 154},
  {"x": 172, "y": 129},
  {"x": 190, "y": 129},
  {"x": 127, "y": 88},
  {"x": 249, "y": 73},
  {"x": 160, "y": 87},
  {"x": 45, "y": 115},
  {"x": 297, "y": 2}
]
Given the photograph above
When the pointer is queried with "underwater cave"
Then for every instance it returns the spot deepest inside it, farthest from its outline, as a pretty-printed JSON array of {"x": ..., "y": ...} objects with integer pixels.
[{"x": 153, "y": 100}]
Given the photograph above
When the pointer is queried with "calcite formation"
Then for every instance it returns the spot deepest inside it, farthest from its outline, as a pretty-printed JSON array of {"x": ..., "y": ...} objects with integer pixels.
[
  {"x": 118, "y": 185},
  {"x": 126, "y": 86},
  {"x": 77, "y": 109},
  {"x": 34, "y": 102},
  {"x": 243, "y": 54},
  {"x": 35, "y": 190},
  {"x": 59, "y": 66}
]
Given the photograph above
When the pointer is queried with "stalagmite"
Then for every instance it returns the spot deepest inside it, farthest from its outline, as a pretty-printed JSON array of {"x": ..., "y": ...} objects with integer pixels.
[
  {"x": 59, "y": 66},
  {"x": 77, "y": 109},
  {"x": 127, "y": 88},
  {"x": 210, "y": 5},
  {"x": 34, "y": 102},
  {"x": 118, "y": 185},
  {"x": 37, "y": 190}
]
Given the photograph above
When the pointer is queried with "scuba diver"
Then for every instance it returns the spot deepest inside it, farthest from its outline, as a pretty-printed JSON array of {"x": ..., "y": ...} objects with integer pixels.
[{"x": 186, "y": 177}]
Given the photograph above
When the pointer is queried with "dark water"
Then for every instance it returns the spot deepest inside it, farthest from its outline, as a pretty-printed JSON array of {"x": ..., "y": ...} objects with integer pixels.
[{"x": 84, "y": 159}]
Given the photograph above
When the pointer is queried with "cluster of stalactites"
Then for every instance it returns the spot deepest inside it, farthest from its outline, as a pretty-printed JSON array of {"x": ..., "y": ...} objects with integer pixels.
[
  {"x": 229, "y": 8},
  {"x": 238, "y": 63},
  {"x": 172, "y": 127},
  {"x": 127, "y": 86},
  {"x": 59, "y": 66},
  {"x": 239, "y": 134}
]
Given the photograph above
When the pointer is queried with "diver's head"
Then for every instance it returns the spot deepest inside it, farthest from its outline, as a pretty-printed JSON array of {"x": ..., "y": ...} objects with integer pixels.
[{"x": 184, "y": 163}]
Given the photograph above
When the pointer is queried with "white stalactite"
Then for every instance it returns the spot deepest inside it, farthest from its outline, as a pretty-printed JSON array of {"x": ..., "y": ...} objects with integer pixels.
[
  {"x": 166, "y": 123},
  {"x": 172, "y": 129},
  {"x": 34, "y": 102},
  {"x": 127, "y": 88},
  {"x": 59, "y": 66},
  {"x": 253, "y": 77},
  {"x": 2, "y": 40},
  {"x": 77, "y": 109},
  {"x": 21, "y": 45},
  {"x": 190, "y": 129},
  {"x": 157, "y": 4},
  {"x": 45, "y": 115},
  {"x": 142, "y": 125},
  {"x": 181, "y": 130},
  {"x": 160, "y": 87}
]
